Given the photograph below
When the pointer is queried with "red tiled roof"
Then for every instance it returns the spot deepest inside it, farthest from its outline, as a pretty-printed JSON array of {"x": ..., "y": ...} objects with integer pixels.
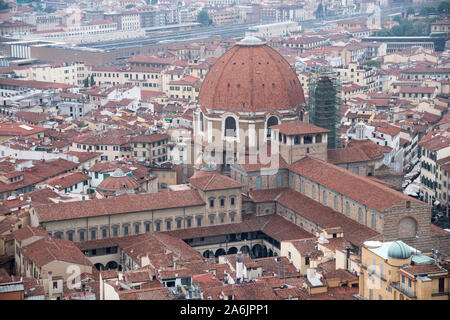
[
  {"x": 19, "y": 129},
  {"x": 49, "y": 249},
  {"x": 265, "y": 195},
  {"x": 117, "y": 205},
  {"x": 273, "y": 225},
  {"x": 356, "y": 151},
  {"x": 162, "y": 293},
  {"x": 212, "y": 180},
  {"x": 34, "y": 84},
  {"x": 298, "y": 127},
  {"x": 33, "y": 117},
  {"x": 67, "y": 180},
  {"x": 28, "y": 232},
  {"x": 424, "y": 269},
  {"x": 149, "y": 138},
  {"x": 251, "y": 78},
  {"x": 325, "y": 217},
  {"x": 356, "y": 187}
]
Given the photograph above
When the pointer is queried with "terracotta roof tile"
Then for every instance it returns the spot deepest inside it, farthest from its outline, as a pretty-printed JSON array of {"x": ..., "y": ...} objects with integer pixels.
[
  {"x": 239, "y": 81},
  {"x": 356, "y": 187},
  {"x": 49, "y": 249},
  {"x": 298, "y": 127},
  {"x": 212, "y": 180},
  {"x": 325, "y": 217},
  {"x": 117, "y": 205}
]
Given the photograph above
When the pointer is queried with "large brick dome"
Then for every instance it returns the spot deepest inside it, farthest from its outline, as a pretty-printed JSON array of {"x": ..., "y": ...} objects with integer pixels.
[{"x": 250, "y": 77}]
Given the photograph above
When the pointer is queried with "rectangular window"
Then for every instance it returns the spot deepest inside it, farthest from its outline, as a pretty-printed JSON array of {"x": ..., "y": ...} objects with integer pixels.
[{"x": 104, "y": 233}]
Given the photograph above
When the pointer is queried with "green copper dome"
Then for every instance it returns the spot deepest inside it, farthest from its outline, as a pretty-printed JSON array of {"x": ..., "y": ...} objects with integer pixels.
[{"x": 399, "y": 250}]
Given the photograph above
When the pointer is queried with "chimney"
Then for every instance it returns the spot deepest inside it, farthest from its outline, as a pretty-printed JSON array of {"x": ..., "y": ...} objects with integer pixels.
[
  {"x": 239, "y": 268},
  {"x": 50, "y": 284},
  {"x": 347, "y": 249}
]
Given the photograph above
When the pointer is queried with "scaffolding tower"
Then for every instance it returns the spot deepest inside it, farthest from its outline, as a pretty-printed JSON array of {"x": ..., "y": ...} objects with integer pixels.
[{"x": 324, "y": 103}]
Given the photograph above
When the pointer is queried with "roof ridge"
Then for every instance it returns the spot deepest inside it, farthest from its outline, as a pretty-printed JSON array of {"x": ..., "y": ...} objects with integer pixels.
[
  {"x": 209, "y": 181},
  {"x": 357, "y": 176}
]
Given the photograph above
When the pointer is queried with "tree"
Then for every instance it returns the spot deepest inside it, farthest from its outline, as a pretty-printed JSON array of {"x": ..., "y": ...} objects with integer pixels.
[
  {"x": 319, "y": 11},
  {"x": 203, "y": 18},
  {"x": 86, "y": 82},
  {"x": 372, "y": 63},
  {"x": 406, "y": 28},
  {"x": 410, "y": 11},
  {"x": 92, "y": 81},
  {"x": 3, "y": 5},
  {"x": 425, "y": 11},
  {"x": 444, "y": 7},
  {"x": 397, "y": 19},
  {"x": 49, "y": 9}
]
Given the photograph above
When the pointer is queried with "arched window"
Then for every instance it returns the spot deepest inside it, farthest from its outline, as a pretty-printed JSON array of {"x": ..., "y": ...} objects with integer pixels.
[
  {"x": 202, "y": 128},
  {"x": 335, "y": 203},
  {"x": 303, "y": 187},
  {"x": 360, "y": 215},
  {"x": 347, "y": 208},
  {"x": 374, "y": 221},
  {"x": 407, "y": 228},
  {"x": 272, "y": 121},
  {"x": 230, "y": 127},
  {"x": 324, "y": 197},
  {"x": 313, "y": 192}
]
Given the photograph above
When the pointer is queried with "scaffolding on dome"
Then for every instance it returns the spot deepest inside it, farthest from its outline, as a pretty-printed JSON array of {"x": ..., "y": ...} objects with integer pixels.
[{"x": 324, "y": 103}]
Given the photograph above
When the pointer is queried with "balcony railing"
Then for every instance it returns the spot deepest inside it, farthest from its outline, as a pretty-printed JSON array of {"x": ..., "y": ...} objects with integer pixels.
[
  {"x": 371, "y": 272},
  {"x": 403, "y": 289},
  {"x": 437, "y": 292}
]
